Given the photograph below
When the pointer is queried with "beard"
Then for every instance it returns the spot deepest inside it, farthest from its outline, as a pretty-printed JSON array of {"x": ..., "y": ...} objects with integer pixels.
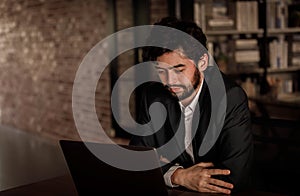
[{"x": 187, "y": 90}]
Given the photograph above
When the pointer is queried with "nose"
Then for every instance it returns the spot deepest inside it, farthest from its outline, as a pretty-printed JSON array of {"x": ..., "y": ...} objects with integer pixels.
[{"x": 172, "y": 78}]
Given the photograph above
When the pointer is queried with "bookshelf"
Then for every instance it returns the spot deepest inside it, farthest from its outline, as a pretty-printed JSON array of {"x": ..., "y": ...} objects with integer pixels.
[
  {"x": 233, "y": 33},
  {"x": 257, "y": 42},
  {"x": 273, "y": 90},
  {"x": 273, "y": 86},
  {"x": 283, "y": 43}
]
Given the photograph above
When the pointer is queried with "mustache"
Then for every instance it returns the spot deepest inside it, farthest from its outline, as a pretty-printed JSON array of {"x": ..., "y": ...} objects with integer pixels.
[
  {"x": 174, "y": 85},
  {"x": 168, "y": 87}
]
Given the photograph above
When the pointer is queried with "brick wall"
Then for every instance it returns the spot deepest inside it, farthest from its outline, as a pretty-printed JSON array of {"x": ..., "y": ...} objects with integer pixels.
[
  {"x": 125, "y": 13},
  {"x": 42, "y": 43},
  {"x": 124, "y": 10},
  {"x": 158, "y": 9}
]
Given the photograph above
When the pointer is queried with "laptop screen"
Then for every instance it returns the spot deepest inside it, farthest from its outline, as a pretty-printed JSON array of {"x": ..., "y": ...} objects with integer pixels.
[{"x": 93, "y": 176}]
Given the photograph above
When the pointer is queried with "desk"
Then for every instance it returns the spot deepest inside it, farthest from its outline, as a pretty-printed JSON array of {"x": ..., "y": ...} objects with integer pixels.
[
  {"x": 288, "y": 109},
  {"x": 63, "y": 185}
]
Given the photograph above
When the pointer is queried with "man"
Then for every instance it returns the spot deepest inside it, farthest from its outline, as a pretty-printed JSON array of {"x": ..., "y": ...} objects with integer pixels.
[{"x": 226, "y": 167}]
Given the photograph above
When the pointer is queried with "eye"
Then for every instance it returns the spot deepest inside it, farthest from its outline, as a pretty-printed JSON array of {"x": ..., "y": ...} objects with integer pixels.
[
  {"x": 160, "y": 71},
  {"x": 178, "y": 70}
]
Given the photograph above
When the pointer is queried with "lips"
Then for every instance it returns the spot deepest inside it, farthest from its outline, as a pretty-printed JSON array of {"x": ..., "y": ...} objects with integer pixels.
[{"x": 175, "y": 89}]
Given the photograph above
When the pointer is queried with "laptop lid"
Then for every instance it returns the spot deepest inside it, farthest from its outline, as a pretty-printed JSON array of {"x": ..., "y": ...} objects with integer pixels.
[{"x": 91, "y": 175}]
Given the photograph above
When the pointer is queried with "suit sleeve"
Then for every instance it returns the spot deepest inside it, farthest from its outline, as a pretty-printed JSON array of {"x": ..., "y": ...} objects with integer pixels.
[
  {"x": 160, "y": 137},
  {"x": 143, "y": 117},
  {"x": 235, "y": 143}
]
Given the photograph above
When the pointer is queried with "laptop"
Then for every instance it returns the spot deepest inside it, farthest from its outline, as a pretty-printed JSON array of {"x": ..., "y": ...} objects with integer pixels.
[{"x": 93, "y": 176}]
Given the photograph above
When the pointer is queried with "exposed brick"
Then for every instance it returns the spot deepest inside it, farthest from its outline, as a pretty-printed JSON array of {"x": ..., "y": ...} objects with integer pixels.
[
  {"x": 158, "y": 9},
  {"x": 42, "y": 44}
]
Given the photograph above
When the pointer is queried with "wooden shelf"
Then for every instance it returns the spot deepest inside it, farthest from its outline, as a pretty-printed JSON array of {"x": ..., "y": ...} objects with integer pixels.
[
  {"x": 269, "y": 70},
  {"x": 252, "y": 71},
  {"x": 288, "y": 100},
  {"x": 283, "y": 107},
  {"x": 233, "y": 32},
  {"x": 281, "y": 70},
  {"x": 257, "y": 31},
  {"x": 283, "y": 30}
]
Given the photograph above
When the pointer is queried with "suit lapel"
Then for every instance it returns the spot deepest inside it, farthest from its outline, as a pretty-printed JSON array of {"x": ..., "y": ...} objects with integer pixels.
[{"x": 203, "y": 118}]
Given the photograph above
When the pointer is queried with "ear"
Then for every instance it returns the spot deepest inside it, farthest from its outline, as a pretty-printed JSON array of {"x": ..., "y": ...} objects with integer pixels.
[{"x": 203, "y": 62}]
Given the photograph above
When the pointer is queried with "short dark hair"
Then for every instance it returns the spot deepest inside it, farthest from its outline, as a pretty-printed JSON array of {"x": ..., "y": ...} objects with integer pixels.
[{"x": 150, "y": 53}]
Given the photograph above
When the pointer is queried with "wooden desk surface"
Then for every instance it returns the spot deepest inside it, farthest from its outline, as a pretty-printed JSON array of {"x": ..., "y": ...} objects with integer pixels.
[
  {"x": 63, "y": 185},
  {"x": 276, "y": 108}
]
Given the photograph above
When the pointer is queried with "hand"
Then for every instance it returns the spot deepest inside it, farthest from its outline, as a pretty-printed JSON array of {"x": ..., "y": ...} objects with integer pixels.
[{"x": 199, "y": 178}]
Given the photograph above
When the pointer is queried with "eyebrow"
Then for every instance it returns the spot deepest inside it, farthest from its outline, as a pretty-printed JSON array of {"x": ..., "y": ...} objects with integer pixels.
[{"x": 173, "y": 67}]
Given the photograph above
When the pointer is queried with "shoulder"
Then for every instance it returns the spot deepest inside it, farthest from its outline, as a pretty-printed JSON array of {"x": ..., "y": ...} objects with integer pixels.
[
  {"x": 237, "y": 99},
  {"x": 233, "y": 90},
  {"x": 216, "y": 79}
]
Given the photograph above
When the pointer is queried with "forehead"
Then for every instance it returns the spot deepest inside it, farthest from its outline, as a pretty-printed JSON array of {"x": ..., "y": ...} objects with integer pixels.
[{"x": 173, "y": 58}]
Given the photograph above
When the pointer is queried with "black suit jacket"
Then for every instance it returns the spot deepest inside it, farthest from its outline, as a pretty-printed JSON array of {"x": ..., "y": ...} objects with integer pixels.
[{"x": 232, "y": 150}]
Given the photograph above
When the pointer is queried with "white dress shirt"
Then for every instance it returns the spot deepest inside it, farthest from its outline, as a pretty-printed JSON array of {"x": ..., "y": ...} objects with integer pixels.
[{"x": 188, "y": 112}]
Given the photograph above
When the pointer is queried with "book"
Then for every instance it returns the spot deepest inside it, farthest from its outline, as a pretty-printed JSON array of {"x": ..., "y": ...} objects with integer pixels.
[
  {"x": 246, "y": 15},
  {"x": 247, "y": 56},
  {"x": 246, "y": 44},
  {"x": 278, "y": 53}
]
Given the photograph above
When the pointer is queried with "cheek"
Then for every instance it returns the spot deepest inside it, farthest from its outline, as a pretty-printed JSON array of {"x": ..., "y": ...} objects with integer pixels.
[
  {"x": 185, "y": 82},
  {"x": 163, "y": 78},
  {"x": 187, "y": 78}
]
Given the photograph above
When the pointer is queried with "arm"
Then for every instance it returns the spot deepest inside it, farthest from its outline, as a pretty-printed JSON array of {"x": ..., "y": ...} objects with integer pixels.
[
  {"x": 149, "y": 93},
  {"x": 233, "y": 153},
  {"x": 200, "y": 177},
  {"x": 234, "y": 144}
]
